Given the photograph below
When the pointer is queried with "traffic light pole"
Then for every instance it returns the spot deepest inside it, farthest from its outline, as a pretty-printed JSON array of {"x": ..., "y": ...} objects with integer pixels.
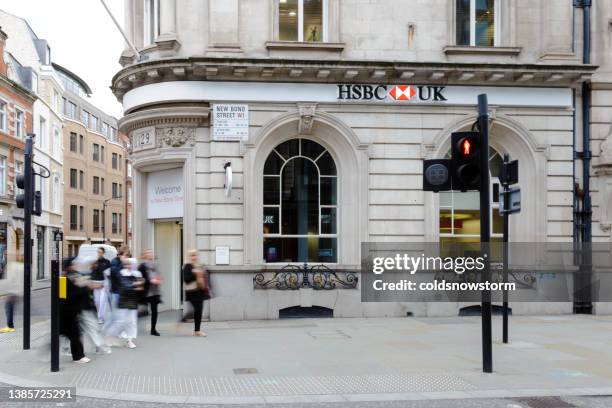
[
  {"x": 485, "y": 232},
  {"x": 27, "y": 232},
  {"x": 506, "y": 216}
]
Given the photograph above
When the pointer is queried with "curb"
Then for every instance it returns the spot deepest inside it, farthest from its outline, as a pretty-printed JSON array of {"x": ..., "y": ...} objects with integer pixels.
[{"x": 328, "y": 398}]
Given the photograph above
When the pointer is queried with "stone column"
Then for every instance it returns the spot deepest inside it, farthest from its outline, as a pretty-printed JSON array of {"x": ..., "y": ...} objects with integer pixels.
[
  {"x": 556, "y": 30},
  {"x": 168, "y": 38},
  {"x": 127, "y": 56},
  {"x": 167, "y": 23}
]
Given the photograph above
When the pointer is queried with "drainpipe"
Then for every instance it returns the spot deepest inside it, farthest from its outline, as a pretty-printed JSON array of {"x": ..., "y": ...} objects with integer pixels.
[{"x": 584, "y": 304}]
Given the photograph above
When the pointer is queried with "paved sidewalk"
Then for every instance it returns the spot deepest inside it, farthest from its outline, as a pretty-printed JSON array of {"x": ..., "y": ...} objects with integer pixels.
[{"x": 336, "y": 360}]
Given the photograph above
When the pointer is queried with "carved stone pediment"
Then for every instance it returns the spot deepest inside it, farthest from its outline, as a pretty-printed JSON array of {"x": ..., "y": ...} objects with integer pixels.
[
  {"x": 175, "y": 136},
  {"x": 307, "y": 115}
]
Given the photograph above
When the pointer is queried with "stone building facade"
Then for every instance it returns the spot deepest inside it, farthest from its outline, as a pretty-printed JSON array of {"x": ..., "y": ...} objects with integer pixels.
[{"x": 344, "y": 100}]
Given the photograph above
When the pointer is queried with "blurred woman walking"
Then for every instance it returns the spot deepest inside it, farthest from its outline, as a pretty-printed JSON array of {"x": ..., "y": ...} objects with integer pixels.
[
  {"x": 196, "y": 289},
  {"x": 152, "y": 280},
  {"x": 125, "y": 318}
]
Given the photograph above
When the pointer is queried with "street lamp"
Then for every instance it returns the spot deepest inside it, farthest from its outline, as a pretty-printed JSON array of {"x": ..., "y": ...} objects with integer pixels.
[{"x": 104, "y": 215}]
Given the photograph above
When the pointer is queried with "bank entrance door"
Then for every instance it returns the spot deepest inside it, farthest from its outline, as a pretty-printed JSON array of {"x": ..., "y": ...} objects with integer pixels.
[{"x": 168, "y": 254}]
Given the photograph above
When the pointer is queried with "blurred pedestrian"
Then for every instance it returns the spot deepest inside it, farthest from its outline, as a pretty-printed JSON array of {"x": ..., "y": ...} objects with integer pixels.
[
  {"x": 98, "y": 275},
  {"x": 88, "y": 319},
  {"x": 70, "y": 309},
  {"x": 196, "y": 289},
  {"x": 9, "y": 312},
  {"x": 152, "y": 281},
  {"x": 125, "y": 318}
]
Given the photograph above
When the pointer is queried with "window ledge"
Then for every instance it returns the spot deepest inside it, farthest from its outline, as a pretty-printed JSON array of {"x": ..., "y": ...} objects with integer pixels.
[
  {"x": 296, "y": 45},
  {"x": 468, "y": 50}
]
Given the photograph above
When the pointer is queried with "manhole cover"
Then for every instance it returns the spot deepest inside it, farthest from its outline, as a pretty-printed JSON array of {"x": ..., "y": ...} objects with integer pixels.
[
  {"x": 240, "y": 371},
  {"x": 544, "y": 402}
]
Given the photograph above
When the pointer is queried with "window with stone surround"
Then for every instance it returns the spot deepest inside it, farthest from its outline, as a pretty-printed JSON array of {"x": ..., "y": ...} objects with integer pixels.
[
  {"x": 301, "y": 20},
  {"x": 300, "y": 204},
  {"x": 476, "y": 23}
]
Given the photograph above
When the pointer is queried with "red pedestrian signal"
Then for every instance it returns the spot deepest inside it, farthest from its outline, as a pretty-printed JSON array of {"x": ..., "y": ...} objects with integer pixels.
[
  {"x": 466, "y": 147},
  {"x": 466, "y": 161}
]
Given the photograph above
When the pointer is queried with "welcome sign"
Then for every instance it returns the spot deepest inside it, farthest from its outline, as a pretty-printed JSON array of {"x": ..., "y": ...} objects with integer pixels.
[{"x": 165, "y": 194}]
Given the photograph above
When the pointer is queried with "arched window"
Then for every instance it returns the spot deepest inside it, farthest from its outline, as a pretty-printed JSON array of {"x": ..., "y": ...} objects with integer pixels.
[
  {"x": 460, "y": 212},
  {"x": 300, "y": 204},
  {"x": 56, "y": 192}
]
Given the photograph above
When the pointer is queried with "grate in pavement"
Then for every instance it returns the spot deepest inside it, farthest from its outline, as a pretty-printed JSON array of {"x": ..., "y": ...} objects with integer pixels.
[
  {"x": 240, "y": 371},
  {"x": 544, "y": 402},
  {"x": 279, "y": 386}
]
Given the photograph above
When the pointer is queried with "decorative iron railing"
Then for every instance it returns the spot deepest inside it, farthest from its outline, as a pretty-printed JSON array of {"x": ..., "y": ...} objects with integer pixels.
[{"x": 294, "y": 277}]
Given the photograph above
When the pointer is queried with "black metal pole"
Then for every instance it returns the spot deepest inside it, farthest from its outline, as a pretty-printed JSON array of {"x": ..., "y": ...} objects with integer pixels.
[
  {"x": 55, "y": 273},
  {"x": 27, "y": 232},
  {"x": 506, "y": 216},
  {"x": 485, "y": 232}
]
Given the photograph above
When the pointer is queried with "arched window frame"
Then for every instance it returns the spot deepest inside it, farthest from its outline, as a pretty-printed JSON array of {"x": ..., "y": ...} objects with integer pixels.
[{"x": 321, "y": 206}]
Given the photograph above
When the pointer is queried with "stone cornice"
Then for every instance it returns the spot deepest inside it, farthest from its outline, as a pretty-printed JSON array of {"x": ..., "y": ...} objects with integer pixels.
[
  {"x": 174, "y": 115},
  {"x": 340, "y": 71}
]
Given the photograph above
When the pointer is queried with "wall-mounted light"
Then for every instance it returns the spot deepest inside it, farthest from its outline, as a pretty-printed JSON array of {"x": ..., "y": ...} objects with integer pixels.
[{"x": 228, "y": 179}]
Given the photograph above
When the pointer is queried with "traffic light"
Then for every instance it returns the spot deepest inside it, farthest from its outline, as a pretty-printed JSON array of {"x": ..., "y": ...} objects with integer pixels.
[
  {"x": 437, "y": 175},
  {"x": 21, "y": 198},
  {"x": 37, "y": 207},
  {"x": 465, "y": 151}
]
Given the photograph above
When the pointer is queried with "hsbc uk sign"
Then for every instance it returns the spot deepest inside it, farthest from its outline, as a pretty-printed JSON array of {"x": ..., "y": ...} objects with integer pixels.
[{"x": 391, "y": 93}]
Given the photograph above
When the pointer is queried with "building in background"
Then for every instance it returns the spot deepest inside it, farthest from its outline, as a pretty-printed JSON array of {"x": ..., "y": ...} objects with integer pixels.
[
  {"x": 16, "y": 120},
  {"x": 40, "y": 77},
  {"x": 94, "y": 170}
]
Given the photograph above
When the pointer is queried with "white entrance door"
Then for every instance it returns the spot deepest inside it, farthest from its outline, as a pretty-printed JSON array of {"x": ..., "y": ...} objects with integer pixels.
[{"x": 168, "y": 256}]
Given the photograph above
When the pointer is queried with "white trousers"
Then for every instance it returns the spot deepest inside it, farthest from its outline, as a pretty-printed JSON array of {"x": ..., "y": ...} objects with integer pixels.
[
  {"x": 101, "y": 299},
  {"x": 124, "y": 320},
  {"x": 90, "y": 327}
]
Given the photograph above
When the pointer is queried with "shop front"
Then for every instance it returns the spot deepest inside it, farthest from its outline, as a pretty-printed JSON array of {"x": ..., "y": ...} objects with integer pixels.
[{"x": 315, "y": 170}]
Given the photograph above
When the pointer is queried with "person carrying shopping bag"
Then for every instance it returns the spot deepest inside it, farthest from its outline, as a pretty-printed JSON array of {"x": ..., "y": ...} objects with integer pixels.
[{"x": 197, "y": 289}]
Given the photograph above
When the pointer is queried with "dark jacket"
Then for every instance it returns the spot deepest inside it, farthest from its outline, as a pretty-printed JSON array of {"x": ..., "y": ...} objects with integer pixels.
[
  {"x": 188, "y": 277},
  {"x": 128, "y": 295},
  {"x": 115, "y": 274},
  {"x": 97, "y": 273}
]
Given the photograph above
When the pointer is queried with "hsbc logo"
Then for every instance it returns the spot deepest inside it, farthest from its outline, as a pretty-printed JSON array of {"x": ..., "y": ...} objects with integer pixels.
[{"x": 398, "y": 93}]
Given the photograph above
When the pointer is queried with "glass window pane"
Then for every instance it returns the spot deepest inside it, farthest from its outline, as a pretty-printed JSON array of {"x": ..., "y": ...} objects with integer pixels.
[
  {"x": 328, "y": 221},
  {"x": 288, "y": 20},
  {"x": 289, "y": 149},
  {"x": 446, "y": 199},
  {"x": 467, "y": 201},
  {"x": 270, "y": 220},
  {"x": 312, "y": 249},
  {"x": 463, "y": 22},
  {"x": 485, "y": 27},
  {"x": 313, "y": 20},
  {"x": 446, "y": 219},
  {"x": 467, "y": 222},
  {"x": 311, "y": 149},
  {"x": 498, "y": 222},
  {"x": 495, "y": 163},
  {"x": 271, "y": 190},
  {"x": 273, "y": 164},
  {"x": 328, "y": 191},
  {"x": 328, "y": 250},
  {"x": 326, "y": 164},
  {"x": 300, "y": 198}
]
